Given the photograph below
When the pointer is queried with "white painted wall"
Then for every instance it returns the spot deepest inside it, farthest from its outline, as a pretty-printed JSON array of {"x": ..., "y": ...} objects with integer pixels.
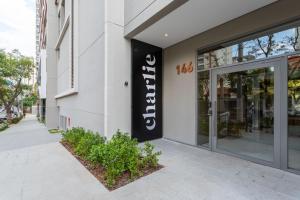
[
  {"x": 133, "y": 8},
  {"x": 117, "y": 70},
  {"x": 179, "y": 97},
  {"x": 51, "y": 62},
  {"x": 64, "y": 64},
  {"x": 138, "y": 12},
  {"x": 42, "y": 87},
  {"x": 102, "y": 61},
  {"x": 86, "y": 108}
]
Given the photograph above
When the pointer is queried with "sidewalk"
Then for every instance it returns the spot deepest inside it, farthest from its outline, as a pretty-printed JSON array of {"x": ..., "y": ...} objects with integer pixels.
[
  {"x": 35, "y": 166},
  {"x": 26, "y": 133},
  {"x": 45, "y": 170}
]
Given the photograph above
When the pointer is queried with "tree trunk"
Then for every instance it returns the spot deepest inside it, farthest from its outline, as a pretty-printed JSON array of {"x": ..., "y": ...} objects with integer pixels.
[{"x": 8, "y": 113}]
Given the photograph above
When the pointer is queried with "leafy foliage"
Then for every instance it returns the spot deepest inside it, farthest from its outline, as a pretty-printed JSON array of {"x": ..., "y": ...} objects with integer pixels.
[
  {"x": 17, "y": 119},
  {"x": 14, "y": 69},
  {"x": 3, "y": 126},
  {"x": 30, "y": 100},
  {"x": 150, "y": 158},
  {"x": 73, "y": 136},
  {"x": 55, "y": 131},
  {"x": 119, "y": 155},
  {"x": 87, "y": 141}
]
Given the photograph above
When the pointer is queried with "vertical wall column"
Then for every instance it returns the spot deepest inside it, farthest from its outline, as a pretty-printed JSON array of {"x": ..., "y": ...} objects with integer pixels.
[
  {"x": 51, "y": 63},
  {"x": 117, "y": 93}
]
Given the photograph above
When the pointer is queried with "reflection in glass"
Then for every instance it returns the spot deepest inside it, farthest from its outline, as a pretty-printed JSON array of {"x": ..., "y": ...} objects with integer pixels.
[
  {"x": 273, "y": 44},
  {"x": 245, "y": 108},
  {"x": 294, "y": 112},
  {"x": 203, "y": 109}
]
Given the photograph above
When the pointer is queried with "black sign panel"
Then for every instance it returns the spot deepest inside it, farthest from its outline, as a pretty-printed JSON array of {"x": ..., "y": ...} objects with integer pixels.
[{"x": 146, "y": 91}]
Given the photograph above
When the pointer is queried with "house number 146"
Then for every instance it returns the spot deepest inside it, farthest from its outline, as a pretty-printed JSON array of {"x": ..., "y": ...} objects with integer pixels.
[{"x": 185, "y": 68}]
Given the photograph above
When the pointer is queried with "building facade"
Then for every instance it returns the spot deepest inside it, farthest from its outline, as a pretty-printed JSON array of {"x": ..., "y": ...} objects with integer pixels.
[{"x": 220, "y": 75}]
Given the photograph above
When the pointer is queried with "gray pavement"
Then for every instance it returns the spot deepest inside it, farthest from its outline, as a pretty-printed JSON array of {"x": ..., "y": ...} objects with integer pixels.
[
  {"x": 28, "y": 132},
  {"x": 48, "y": 171}
]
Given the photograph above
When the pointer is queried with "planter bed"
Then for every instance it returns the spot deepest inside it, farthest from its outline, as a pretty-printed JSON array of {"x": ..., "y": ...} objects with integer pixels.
[
  {"x": 123, "y": 178},
  {"x": 99, "y": 172}
]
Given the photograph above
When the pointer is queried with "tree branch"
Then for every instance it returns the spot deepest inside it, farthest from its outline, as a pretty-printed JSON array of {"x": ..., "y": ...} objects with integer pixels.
[
  {"x": 261, "y": 47},
  {"x": 17, "y": 92},
  {"x": 296, "y": 39}
]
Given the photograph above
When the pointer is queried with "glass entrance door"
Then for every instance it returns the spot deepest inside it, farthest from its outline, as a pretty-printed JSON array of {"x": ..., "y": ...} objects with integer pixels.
[
  {"x": 204, "y": 109},
  {"x": 293, "y": 141},
  {"x": 246, "y": 118}
]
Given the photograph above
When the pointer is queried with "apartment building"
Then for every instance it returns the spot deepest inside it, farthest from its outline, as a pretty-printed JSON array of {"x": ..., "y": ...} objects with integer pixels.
[{"x": 219, "y": 75}]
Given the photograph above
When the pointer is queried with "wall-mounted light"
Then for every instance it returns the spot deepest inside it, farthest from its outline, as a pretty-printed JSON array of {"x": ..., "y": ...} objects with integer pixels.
[{"x": 166, "y": 35}]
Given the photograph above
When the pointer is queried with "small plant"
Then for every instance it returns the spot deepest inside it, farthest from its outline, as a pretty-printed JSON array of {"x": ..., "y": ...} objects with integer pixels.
[
  {"x": 150, "y": 158},
  {"x": 86, "y": 142},
  {"x": 55, "y": 131},
  {"x": 42, "y": 120},
  {"x": 73, "y": 136},
  {"x": 17, "y": 119},
  {"x": 3, "y": 126},
  {"x": 96, "y": 154},
  {"x": 118, "y": 156}
]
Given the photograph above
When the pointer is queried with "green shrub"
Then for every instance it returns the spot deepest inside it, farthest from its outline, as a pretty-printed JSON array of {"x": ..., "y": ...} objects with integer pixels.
[
  {"x": 120, "y": 154},
  {"x": 3, "y": 126},
  {"x": 96, "y": 154},
  {"x": 42, "y": 120},
  {"x": 150, "y": 158},
  {"x": 86, "y": 142},
  {"x": 16, "y": 119},
  {"x": 73, "y": 136},
  {"x": 55, "y": 131}
]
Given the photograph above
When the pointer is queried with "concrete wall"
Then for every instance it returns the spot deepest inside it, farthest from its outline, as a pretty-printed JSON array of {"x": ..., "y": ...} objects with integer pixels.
[
  {"x": 117, "y": 70},
  {"x": 64, "y": 52},
  {"x": 86, "y": 107},
  {"x": 179, "y": 108},
  {"x": 64, "y": 64},
  {"x": 140, "y": 14},
  {"x": 43, "y": 65},
  {"x": 51, "y": 88},
  {"x": 102, "y": 63}
]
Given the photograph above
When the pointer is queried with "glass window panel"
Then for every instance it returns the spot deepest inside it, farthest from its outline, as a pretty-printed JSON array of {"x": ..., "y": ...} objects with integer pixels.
[
  {"x": 245, "y": 113},
  {"x": 273, "y": 44},
  {"x": 294, "y": 112},
  {"x": 203, "y": 109}
]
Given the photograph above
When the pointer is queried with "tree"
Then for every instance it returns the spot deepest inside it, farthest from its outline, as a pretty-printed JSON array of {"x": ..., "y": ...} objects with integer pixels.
[
  {"x": 263, "y": 46},
  {"x": 30, "y": 100},
  {"x": 14, "y": 70},
  {"x": 294, "y": 39}
]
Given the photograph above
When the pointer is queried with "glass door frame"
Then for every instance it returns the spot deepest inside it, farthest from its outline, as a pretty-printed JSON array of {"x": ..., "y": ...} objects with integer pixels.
[
  {"x": 209, "y": 147},
  {"x": 280, "y": 69},
  {"x": 285, "y": 117}
]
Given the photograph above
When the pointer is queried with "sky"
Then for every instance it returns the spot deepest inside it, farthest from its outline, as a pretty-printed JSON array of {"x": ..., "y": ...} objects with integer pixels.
[{"x": 17, "y": 26}]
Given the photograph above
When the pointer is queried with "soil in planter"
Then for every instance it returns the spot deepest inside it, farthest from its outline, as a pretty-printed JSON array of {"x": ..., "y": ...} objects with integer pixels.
[{"x": 99, "y": 172}]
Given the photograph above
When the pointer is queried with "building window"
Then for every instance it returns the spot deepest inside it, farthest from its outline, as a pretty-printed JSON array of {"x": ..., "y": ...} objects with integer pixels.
[
  {"x": 272, "y": 44},
  {"x": 61, "y": 15},
  {"x": 63, "y": 122},
  {"x": 294, "y": 112}
]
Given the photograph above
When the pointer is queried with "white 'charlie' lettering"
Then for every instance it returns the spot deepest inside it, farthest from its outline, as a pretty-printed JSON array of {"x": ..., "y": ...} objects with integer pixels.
[{"x": 149, "y": 77}]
